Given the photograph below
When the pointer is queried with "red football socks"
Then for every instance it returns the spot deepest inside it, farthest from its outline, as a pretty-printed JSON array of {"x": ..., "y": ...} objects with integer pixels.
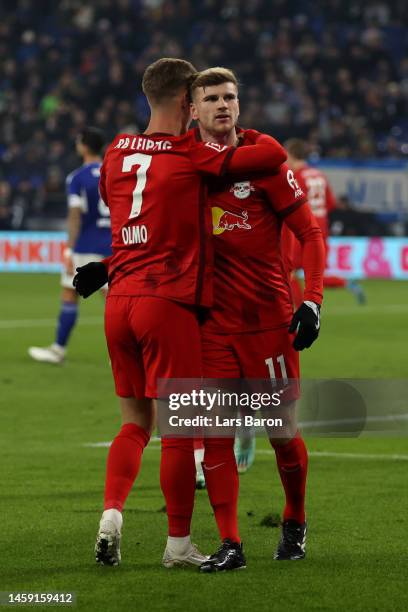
[
  {"x": 292, "y": 465},
  {"x": 123, "y": 464},
  {"x": 221, "y": 477},
  {"x": 177, "y": 480}
]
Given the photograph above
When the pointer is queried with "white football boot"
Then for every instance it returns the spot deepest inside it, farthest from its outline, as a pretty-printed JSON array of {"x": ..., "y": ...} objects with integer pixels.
[
  {"x": 107, "y": 546},
  {"x": 183, "y": 555},
  {"x": 49, "y": 354}
]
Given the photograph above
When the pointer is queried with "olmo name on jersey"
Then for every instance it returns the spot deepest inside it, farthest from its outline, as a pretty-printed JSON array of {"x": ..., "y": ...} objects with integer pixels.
[{"x": 136, "y": 234}]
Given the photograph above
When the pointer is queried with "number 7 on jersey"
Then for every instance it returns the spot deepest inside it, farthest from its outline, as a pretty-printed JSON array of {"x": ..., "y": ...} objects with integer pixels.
[{"x": 143, "y": 162}]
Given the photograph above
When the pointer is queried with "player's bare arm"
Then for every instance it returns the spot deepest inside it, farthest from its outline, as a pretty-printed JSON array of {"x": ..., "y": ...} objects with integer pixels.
[{"x": 73, "y": 228}]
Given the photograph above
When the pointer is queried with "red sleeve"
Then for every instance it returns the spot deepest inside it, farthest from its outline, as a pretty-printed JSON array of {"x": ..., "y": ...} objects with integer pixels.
[
  {"x": 255, "y": 137},
  {"x": 210, "y": 157},
  {"x": 215, "y": 159},
  {"x": 301, "y": 181},
  {"x": 102, "y": 179},
  {"x": 289, "y": 249},
  {"x": 282, "y": 191},
  {"x": 102, "y": 184},
  {"x": 107, "y": 261},
  {"x": 104, "y": 195},
  {"x": 265, "y": 157},
  {"x": 306, "y": 229}
]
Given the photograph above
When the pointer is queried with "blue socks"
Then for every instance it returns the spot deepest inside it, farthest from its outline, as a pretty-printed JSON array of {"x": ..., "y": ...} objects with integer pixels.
[{"x": 66, "y": 321}]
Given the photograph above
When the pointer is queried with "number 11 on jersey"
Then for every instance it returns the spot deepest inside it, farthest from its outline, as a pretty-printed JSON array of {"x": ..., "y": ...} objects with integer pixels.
[
  {"x": 281, "y": 361},
  {"x": 143, "y": 162}
]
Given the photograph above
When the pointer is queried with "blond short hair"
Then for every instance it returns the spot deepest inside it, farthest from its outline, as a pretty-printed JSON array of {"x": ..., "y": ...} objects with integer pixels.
[
  {"x": 165, "y": 78},
  {"x": 213, "y": 76}
]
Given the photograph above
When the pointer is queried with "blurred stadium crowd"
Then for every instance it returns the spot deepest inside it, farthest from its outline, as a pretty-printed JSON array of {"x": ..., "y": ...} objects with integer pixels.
[{"x": 332, "y": 71}]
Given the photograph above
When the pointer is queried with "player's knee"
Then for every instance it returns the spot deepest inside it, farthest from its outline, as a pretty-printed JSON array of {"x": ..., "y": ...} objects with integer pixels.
[
  {"x": 137, "y": 411},
  {"x": 282, "y": 441}
]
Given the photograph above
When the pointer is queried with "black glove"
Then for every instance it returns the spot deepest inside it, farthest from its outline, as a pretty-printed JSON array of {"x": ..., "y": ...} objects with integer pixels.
[
  {"x": 90, "y": 278},
  {"x": 306, "y": 321}
]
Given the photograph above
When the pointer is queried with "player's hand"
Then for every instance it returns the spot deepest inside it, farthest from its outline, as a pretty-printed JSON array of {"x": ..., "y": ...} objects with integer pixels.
[
  {"x": 90, "y": 278},
  {"x": 306, "y": 322},
  {"x": 249, "y": 135}
]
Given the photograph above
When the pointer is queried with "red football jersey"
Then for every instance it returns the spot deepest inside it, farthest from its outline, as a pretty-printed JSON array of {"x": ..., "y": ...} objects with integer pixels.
[
  {"x": 161, "y": 224},
  {"x": 161, "y": 240},
  {"x": 251, "y": 291},
  {"x": 319, "y": 194}
]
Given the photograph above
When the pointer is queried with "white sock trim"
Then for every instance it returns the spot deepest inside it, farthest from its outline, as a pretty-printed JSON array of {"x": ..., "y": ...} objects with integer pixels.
[
  {"x": 58, "y": 348},
  {"x": 178, "y": 546}
]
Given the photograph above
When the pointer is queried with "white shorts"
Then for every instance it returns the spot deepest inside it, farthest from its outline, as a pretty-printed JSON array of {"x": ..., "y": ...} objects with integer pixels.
[{"x": 79, "y": 259}]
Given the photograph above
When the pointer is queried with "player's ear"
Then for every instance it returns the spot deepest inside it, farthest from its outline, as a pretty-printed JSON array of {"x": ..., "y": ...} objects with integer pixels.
[
  {"x": 185, "y": 101},
  {"x": 194, "y": 113}
]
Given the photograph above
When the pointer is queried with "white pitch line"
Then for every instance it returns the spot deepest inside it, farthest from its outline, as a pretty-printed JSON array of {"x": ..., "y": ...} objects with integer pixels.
[
  {"x": 20, "y": 323},
  {"x": 345, "y": 455},
  {"x": 370, "y": 419},
  {"x": 303, "y": 425},
  {"x": 107, "y": 444},
  {"x": 97, "y": 444},
  {"x": 272, "y": 452}
]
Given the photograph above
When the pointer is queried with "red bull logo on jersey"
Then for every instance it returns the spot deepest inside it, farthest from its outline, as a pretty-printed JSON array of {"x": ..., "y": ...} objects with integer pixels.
[
  {"x": 242, "y": 190},
  {"x": 226, "y": 220}
]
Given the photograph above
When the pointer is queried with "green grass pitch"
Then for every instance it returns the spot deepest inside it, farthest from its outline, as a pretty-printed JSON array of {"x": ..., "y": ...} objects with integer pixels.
[{"x": 52, "y": 483}]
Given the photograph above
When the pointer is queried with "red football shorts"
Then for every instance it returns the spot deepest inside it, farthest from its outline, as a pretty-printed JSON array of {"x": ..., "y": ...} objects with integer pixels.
[
  {"x": 262, "y": 355},
  {"x": 150, "y": 338}
]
